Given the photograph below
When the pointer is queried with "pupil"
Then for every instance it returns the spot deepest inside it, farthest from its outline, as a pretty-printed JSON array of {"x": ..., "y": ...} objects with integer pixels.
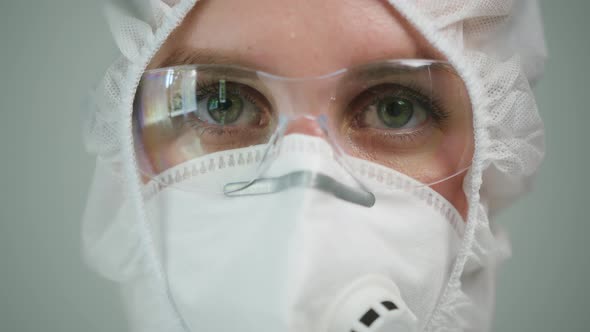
[
  {"x": 226, "y": 105},
  {"x": 396, "y": 108},
  {"x": 395, "y": 112},
  {"x": 224, "y": 112}
]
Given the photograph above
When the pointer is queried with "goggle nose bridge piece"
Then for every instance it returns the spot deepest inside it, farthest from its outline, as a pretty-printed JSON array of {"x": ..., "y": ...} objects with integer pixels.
[
  {"x": 259, "y": 185},
  {"x": 306, "y": 124}
]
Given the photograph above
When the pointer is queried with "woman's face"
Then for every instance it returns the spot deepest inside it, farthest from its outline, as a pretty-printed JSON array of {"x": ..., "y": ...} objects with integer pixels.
[{"x": 299, "y": 39}]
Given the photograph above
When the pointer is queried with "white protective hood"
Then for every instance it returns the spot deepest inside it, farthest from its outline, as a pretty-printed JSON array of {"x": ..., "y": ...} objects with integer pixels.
[{"x": 497, "y": 47}]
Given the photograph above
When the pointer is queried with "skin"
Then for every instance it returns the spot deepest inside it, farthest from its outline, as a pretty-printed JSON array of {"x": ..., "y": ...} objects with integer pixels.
[{"x": 299, "y": 39}]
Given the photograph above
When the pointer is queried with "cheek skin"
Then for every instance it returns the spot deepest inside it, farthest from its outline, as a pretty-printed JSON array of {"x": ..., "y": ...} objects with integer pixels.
[
  {"x": 452, "y": 190},
  {"x": 305, "y": 38},
  {"x": 453, "y": 158},
  {"x": 458, "y": 153}
]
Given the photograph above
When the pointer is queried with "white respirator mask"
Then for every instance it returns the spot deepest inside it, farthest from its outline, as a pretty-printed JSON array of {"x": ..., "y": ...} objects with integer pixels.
[{"x": 303, "y": 257}]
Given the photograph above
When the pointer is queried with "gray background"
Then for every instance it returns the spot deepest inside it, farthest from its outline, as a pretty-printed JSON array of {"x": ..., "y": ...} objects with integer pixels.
[{"x": 51, "y": 52}]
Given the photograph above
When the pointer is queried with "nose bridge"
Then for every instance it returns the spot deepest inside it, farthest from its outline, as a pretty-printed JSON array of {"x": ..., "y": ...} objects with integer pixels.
[
  {"x": 305, "y": 97},
  {"x": 306, "y": 102},
  {"x": 305, "y": 124},
  {"x": 303, "y": 102}
]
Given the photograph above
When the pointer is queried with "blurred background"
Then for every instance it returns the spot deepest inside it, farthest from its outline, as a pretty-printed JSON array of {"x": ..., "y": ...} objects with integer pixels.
[{"x": 53, "y": 52}]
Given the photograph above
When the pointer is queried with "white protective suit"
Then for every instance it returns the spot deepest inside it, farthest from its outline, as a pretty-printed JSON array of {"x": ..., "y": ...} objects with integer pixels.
[{"x": 496, "y": 46}]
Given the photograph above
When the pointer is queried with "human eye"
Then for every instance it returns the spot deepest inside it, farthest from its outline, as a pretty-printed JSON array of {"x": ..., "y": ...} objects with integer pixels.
[
  {"x": 394, "y": 115},
  {"x": 227, "y": 114},
  {"x": 230, "y": 105}
]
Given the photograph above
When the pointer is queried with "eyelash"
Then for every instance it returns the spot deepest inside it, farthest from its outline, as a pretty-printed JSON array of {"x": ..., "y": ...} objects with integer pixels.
[
  {"x": 207, "y": 89},
  {"x": 415, "y": 92}
]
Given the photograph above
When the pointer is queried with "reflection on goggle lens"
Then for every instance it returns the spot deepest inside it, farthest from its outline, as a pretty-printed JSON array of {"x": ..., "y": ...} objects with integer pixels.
[{"x": 413, "y": 116}]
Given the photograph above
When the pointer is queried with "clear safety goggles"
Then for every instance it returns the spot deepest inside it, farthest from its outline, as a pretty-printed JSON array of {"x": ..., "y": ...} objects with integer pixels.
[{"x": 413, "y": 116}]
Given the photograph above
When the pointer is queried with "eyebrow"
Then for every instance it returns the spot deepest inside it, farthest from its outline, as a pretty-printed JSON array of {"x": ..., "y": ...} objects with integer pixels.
[{"x": 185, "y": 56}]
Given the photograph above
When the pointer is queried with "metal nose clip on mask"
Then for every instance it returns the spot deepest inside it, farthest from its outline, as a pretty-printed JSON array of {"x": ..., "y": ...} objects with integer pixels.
[
  {"x": 355, "y": 193},
  {"x": 412, "y": 116}
]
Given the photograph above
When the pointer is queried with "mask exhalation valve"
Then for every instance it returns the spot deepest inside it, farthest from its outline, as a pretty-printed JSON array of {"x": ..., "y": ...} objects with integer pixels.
[{"x": 370, "y": 304}]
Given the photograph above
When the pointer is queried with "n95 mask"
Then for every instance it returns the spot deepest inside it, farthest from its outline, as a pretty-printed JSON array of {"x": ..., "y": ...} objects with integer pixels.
[{"x": 299, "y": 259}]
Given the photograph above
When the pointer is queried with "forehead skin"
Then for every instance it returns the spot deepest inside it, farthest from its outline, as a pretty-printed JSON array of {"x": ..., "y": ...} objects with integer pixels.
[{"x": 292, "y": 38}]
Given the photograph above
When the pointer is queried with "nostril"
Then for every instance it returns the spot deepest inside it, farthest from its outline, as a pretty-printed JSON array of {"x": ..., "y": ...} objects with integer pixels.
[{"x": 306, "y": 126}]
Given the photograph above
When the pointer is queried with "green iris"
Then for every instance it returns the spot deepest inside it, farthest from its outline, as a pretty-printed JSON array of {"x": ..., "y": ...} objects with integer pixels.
[
  {"x": 395, "y": 112},
  {"x": 226, "y": 112}
]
